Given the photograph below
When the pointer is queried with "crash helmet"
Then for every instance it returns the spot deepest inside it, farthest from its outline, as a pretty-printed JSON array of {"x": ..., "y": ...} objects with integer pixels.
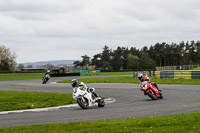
[
  {"x": 48, "y": 71},
  {"x": 74, "y": 83},
  {"x": 140, "y": 76},
  {"x": 81, "y": 84}
]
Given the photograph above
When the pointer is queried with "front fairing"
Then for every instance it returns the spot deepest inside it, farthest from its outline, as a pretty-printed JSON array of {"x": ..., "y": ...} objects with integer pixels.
[
  {"x": 77, "y": 92},
  {"x": 145, "y": 86}
]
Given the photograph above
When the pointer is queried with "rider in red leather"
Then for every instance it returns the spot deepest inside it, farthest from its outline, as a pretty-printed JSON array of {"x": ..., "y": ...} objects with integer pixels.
[{"x": 145, "y": 78}]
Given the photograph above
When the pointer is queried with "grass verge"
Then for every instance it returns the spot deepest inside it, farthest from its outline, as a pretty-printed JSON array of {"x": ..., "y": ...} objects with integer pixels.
[
  {"x": 20, "y": 76},
  {"x": 24, "y": 76},
  {"x": 198, "y": 68},
  {"x": 29, "y": 100},
  {"x": 106, "y": 73},
  {"x": 130, "y": 79},
  {"x": 182, "y": 123}
]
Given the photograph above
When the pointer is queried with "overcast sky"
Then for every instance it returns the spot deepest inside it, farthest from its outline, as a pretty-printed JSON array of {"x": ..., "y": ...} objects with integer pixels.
[{"x": 41, "y": 30}]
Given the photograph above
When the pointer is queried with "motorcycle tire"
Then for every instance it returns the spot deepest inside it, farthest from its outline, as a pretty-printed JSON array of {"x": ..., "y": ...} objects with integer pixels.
[
  {"x": 82, "y": 104},
  {"x": 101, "y": 103},
  {"x": 160, "y": 95},
  {"x": 151, "y": 95},
  {"x": 44, "y": 81}
]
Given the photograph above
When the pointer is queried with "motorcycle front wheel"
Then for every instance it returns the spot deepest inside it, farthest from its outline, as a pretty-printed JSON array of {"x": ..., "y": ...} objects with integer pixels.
[
  {"x": 151, "y": 95},
  {"x": 83, "y": 103}
]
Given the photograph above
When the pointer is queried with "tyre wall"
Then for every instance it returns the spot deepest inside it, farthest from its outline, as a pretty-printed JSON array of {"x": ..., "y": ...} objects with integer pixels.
[{"x": 178, "y": 74}]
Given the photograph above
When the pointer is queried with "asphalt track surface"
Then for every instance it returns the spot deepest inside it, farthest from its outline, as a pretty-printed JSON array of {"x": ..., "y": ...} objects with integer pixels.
[{"x": 130, "y": 103}]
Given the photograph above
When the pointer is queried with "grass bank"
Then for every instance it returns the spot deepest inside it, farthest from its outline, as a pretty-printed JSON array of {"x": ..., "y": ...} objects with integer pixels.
[
  {"x": 182, "y": 123},
  {"x": 130, "y": 79},
  {"x": 20, "y": 76},
  {"x": 29, "y": 100},
  {"x": 198, "y": 68},
  {"x": 106, "y": 73},
  {"x": 24, "y": 76}
]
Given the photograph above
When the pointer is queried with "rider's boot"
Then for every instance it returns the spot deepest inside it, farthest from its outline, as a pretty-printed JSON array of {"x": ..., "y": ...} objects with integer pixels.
[{"x": 96, "y": 96}]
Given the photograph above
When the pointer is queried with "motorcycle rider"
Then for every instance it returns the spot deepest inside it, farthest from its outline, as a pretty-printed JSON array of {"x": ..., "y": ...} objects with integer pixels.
[
  {"x": 145, "y": 78},
  {"x": 83, "y": 87},
  {"x": 47, "y": 75}
]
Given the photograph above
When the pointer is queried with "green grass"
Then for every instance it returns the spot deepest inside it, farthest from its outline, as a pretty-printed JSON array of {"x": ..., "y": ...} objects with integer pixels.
[
  {"x": 28, "y": 100},
  {"x": 198, "y": 68},
  {"x": 182, "y": 123},
  {"x": 24, "y": 76},
  {"x": 106, "y": 73},
  {"x": 20, "y": 76},
  {"x": 123, "y": 79},
  {"x": 130, "y": 79}
]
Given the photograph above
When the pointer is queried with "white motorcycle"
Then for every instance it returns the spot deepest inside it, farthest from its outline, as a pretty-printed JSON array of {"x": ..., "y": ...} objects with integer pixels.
[
  {"x": 85, "y": 98},
  {"x": 45, "y": 78}
]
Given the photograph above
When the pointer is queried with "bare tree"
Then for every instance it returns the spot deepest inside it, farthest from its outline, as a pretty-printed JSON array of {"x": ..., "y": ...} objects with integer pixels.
[{"x": 7, "y": 58}]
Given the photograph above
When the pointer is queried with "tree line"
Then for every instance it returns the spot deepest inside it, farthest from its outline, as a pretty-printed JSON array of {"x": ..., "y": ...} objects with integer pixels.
[
  {"x": 124, "y": 58},
  {"x": 160, "y": 54}
]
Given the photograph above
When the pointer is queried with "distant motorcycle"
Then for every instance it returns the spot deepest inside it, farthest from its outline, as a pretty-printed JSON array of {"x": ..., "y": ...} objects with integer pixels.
[
  {"x": 46, "y": 78},
  {"x": 86, "y": 99},
  {"x": 150, "y": 90}
]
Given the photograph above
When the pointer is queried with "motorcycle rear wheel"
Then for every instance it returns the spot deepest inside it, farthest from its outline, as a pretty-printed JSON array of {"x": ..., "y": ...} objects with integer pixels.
[
  {"x": 82, "y": 104},
  {"x": 101, "y": 103},
  {"x": 160, "y": 95}
]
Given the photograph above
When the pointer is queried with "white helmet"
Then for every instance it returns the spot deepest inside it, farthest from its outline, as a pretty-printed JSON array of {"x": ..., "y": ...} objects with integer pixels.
[
  {"x": 140, "y": 76},
  {"x": 81, "y": 84}
]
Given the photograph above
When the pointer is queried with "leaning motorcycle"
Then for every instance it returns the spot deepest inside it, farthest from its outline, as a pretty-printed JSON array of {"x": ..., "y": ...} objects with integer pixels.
[
  {"x": 150, "y": 90},
  {"x": 45, "y": 78},
  {"x": 86, "y": 99}
]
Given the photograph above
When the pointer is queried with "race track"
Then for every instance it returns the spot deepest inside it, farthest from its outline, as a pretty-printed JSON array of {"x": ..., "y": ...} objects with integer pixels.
[{"x": 130, "y": 102}]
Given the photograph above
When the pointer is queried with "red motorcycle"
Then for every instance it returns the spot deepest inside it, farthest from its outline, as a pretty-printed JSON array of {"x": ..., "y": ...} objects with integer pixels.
[{"x": 150, "y": 90}]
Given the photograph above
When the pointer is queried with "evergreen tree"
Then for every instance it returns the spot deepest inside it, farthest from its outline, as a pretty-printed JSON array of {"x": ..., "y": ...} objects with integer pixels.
[
  {"x": 96, "y": 61},
  {"x": 106, "y": 58}
]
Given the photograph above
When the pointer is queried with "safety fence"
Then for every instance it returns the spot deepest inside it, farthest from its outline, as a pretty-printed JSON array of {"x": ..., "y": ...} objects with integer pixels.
[
  {"x": 64, "y": 74},
  {"x": 181, "y": 67},
  {"x": 86, "y": 71},
  {"x": 145, "y": 73},
  {"x": 178, "y": 74}
]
